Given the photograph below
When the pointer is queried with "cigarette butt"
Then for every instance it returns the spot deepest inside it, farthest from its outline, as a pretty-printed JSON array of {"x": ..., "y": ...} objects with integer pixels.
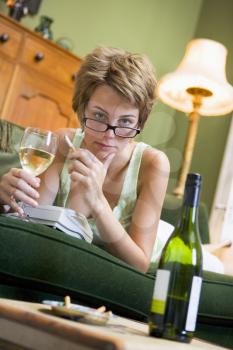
[
  {"x": 69, "y": 143},
  {"x": 67, "y": 301},
  {"x": 101, "y": 309}
]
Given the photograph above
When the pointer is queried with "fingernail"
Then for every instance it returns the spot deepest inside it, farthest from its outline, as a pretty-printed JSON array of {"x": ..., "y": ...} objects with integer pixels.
[
  {"x": 34, "y": 204},
  {"x": 20, "y": 211}
]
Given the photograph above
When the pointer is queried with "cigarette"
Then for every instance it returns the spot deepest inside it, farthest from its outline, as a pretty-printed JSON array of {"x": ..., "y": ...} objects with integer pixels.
[
  {"x": 69, "y": 143},
  {"x": 67, "y": 301}
]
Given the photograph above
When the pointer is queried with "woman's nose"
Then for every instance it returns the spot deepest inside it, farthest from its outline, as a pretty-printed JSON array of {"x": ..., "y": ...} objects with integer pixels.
[{"x": 109, "y": 133}]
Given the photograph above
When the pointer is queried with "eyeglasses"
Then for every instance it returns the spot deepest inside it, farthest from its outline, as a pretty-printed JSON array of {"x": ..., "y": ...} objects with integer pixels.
[{"x": 102, "y": 127}]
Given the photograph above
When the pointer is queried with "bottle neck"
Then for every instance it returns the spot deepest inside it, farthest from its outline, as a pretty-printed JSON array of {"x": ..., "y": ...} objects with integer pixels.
[
  {"x": 190, "y": 204},
  {"x": 191, "y": 196},
  {"x": 189, "y": 215}
]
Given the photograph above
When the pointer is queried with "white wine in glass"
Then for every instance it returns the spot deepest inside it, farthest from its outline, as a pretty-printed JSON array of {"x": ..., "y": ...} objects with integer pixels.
[{"x": 37, "y": 150}]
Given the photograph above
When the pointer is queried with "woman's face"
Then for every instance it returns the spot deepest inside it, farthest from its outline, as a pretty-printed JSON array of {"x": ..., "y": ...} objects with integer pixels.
[{"x": 107, "y": 106}]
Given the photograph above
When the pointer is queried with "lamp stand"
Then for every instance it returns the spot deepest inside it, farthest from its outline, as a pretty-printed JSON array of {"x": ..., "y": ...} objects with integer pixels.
[{"x": 194, "y": 117}]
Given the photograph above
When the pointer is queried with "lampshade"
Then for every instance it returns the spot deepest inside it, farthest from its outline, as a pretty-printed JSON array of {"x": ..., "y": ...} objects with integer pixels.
[{"x": 202, "y": 68}]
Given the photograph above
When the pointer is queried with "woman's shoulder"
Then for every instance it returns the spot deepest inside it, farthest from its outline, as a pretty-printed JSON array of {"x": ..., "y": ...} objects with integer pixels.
[
  {"x": 153, "y": 157},
  {"x": 154, "y": 161}
]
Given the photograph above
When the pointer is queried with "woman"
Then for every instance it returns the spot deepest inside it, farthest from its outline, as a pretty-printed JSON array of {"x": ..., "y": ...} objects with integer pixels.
[{"x": 117, "y": 183}]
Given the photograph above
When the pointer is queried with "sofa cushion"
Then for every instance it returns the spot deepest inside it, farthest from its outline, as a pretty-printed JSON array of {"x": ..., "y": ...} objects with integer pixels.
[
  {"x": 8, "y": 161},
  {"x": 10, "y": 137},
  {"x": 37, "y": 262},
  {"x": 216, "y": 299},
  {"x": 39, "y": 258}
]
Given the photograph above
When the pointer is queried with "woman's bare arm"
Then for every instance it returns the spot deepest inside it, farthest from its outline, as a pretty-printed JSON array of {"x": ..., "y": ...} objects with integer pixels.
[{"x": 135, "y": 247}]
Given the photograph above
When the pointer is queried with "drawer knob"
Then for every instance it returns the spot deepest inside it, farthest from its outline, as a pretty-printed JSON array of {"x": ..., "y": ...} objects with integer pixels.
[
  {"x": 4, "y": 37},
  {"x": 39, "y": 56},
  {"x": 73, "y": 77}
]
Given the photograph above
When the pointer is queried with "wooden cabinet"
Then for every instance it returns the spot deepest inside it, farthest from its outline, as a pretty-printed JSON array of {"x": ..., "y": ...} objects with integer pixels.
[{"x": 36, "y": 79}]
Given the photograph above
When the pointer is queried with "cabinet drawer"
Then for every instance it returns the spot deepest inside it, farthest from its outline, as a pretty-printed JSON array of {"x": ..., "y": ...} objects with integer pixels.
[
  {"x": 10, "y": 40},
  {"x": 6, "y": 72},
  {"x": 50, "y": 61},
  {"x": 34, "y": 102}
]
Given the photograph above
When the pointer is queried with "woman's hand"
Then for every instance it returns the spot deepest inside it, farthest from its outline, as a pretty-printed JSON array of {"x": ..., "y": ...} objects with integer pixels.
[
  {"x": 19, "y": 185},
  {"x": 87, "y": 175}
]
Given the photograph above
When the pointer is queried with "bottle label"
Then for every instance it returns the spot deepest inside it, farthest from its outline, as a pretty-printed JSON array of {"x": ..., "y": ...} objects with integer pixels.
[
  {"x": 193, "y": 304},
  {"x": 160, "y": 291}
]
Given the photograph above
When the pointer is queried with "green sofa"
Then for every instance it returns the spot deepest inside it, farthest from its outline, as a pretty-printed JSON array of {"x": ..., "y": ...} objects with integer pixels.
[
  {"x": 10, "y": 136},
  {"x": 37, "y": 263}
]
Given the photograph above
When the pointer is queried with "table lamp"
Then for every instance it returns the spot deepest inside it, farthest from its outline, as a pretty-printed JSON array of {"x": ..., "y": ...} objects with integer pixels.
[{"x": 197, "y": 87}]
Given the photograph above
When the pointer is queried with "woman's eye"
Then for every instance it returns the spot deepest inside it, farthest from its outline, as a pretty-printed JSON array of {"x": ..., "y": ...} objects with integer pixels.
[
  {"x": 98, "y": 116},
  {"x": 125, "y": 122}
]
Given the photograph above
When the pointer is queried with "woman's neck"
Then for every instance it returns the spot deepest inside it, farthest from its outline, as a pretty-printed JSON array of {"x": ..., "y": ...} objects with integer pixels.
[{"x": 121, "y": 161}]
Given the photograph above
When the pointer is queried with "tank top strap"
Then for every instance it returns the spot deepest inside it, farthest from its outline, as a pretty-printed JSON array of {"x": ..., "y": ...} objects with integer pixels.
[
  {"x": 131, "y": 178},
  {"x": 78, "y": 138},
  {"x": 125, "y": 206}
]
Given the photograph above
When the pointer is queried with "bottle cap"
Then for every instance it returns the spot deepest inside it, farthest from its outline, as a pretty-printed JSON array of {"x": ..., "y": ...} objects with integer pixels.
[{"x": 193, "y": 179}]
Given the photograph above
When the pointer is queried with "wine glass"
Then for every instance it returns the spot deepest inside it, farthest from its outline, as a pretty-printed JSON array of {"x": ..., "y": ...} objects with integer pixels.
[{"x": 37, "y": 150}]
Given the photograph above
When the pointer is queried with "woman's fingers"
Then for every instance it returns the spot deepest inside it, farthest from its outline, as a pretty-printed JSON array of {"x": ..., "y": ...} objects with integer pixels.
[
  {"x": 15, "y": 206},
  {"x": 23, "y": 197},
  {"x": 26, "y": 176},
  {"x": 19, "y": 185},
  {"x": 77, "y": 166},
  {"x": 23, "y": 185},
  {"x": 79, "y": 184},
  {"x": 88, "y": 171},
  {"x": 84, "y": 156},
  {"x": 85, "y": 163},
  {"x": 11, "y": 201}
]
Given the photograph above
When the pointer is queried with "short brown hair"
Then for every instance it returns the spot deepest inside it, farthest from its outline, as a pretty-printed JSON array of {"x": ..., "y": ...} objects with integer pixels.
[{"x": 131, "y": 75}]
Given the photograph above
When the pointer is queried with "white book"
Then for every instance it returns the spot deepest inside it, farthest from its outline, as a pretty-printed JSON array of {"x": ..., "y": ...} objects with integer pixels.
[{"x": 66, "y": 220}]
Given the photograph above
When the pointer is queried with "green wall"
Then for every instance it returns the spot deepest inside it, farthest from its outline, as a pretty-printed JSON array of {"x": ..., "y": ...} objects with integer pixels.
[{"x": 161, "y": 29}]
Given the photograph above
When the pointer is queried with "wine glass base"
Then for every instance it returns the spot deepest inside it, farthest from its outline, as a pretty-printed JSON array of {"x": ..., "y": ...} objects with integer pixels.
[{"x": 17, "y": 216}]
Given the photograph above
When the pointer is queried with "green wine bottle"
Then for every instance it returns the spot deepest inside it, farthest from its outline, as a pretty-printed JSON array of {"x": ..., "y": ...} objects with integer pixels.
[{"x": 178, "y": 281}]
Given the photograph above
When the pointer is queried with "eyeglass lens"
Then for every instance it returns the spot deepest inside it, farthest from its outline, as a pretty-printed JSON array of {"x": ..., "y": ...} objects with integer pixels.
[{"x": 102, "y": 127}]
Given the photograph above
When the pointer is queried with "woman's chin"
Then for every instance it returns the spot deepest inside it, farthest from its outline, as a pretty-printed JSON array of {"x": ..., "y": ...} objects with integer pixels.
[{"x": 103, "y": 155}]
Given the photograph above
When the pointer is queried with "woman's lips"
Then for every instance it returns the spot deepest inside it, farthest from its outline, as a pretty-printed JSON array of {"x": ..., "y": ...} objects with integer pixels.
[{"x": 103, "y": 145}]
